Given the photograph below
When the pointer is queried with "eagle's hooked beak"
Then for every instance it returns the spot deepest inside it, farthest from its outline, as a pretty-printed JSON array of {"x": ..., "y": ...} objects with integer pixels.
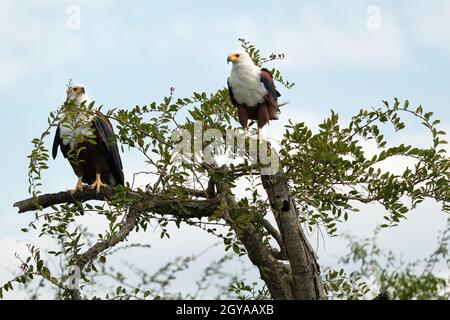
[
  {"x": 232, "y": 58},
  {"x": 74, "y": 91}
]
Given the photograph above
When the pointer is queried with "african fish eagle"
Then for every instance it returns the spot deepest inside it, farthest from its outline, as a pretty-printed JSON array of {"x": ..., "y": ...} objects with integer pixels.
[
  {"x": 252, "y": 91},
  {"x": 87, "y": 140}
]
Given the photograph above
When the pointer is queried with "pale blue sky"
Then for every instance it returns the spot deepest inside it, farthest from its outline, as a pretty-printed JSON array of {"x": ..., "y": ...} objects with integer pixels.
[{"x": 129, "y": 53}]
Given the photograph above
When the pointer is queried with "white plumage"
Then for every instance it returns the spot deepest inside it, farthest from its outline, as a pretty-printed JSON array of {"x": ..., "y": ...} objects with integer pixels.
[{"x": 245, "y": 79}]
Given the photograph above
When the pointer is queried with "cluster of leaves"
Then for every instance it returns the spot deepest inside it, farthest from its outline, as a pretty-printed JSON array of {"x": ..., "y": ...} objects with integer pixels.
[
  {"x": 255, "y": 54},
  {"x": 331, "y": 173},
  {"x": 384, "y": 271},
  {"x": 340, "y": 285},
  {"x": 34, "y": 266},
  {"x": 38, "y": 158},
  {"x": 126, "y": 282},
  {"x": 245, "y": 291}
]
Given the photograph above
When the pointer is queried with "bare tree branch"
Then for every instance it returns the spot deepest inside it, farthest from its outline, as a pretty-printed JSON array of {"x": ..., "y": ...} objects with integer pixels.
[
  {"x": 145, "y": 202},
  {"x": 184, "y": 208},
  {"x": 91, "y": 254},
  {"x": 280, "y": 255}
]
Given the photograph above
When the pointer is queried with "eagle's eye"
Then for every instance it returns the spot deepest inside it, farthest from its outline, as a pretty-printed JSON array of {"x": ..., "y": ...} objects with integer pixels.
[
  {"x": 238, "y": 55},
  {"x": 75, "y": 89}
]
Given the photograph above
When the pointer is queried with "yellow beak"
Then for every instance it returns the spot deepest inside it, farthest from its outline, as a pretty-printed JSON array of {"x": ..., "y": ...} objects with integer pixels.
[{"x": 232, "y": 58}]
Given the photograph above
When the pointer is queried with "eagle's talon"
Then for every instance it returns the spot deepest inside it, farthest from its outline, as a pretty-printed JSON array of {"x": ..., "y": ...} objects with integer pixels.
[
  {"x": 98, "y": 184},
  {"x": 76, "y": 190},
  {"x": 78, "y": 187}
]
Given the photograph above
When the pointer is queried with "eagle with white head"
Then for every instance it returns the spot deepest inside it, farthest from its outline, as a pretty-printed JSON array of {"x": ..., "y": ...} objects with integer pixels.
[
  {"x": 86, "y": 138},
  {"x": 252, "y": 91}
]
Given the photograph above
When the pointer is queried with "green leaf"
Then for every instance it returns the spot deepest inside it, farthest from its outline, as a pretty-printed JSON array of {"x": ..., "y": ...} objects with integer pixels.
[{"x": 39, "y": 265}]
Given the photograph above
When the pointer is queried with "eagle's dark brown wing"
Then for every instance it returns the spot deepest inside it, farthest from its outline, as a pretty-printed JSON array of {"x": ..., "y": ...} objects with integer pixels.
[
  {"x": 269, "y": 109},
  {"x": 108, "y": 139},
  {"x": 58, "y": 143},
  {"x": 267, "y": 80}
]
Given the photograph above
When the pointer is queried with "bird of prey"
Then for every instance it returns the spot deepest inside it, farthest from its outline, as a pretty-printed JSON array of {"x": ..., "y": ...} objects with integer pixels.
[
  {"x": 86, "y": 138},
  {"x": 252, "y": 91}
]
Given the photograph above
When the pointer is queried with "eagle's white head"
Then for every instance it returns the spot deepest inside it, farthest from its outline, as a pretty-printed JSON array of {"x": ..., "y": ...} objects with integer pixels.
[
  {"x": 240, "y": 57},
  {"x": 76, "y": 92},
  {"x": 245, "y": 79}
]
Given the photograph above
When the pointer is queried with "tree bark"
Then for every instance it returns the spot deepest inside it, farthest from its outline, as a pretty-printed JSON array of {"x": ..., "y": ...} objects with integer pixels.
[
  {"x": 192, "y": 208},
  {"x": 307, "y": 284},
  {"x": 276, "y": 276}
]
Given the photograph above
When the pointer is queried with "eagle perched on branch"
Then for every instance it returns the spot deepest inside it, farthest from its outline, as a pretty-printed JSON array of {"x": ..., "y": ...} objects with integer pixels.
[
  {"x": 252, "y": 91},
  {"x": 86, "y": 138}
]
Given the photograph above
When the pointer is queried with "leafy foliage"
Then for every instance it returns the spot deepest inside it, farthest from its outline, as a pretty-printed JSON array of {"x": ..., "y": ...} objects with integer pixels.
[
  {"x": 404, "y": 281},
  {"x": 339, "y": 285},
  {"x": 329, "y": 173}
]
